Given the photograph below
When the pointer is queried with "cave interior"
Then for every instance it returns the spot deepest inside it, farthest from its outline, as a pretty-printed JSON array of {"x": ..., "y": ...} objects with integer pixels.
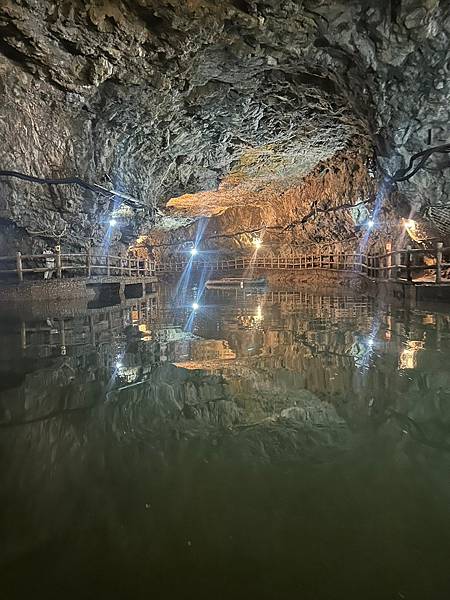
[
  {"x": 286, "y": 438},
  {"x": 289, "y": 122}
]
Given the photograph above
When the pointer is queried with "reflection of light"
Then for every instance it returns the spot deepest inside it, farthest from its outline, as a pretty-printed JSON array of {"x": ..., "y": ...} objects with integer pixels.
[
  {"x": 370, "y": 342},
  {"x": 119, "y": 365},
  {"x": 410, "y": 224},
  {"x": 113, "y": 222},
  {"x": 429, "y": 319},
  {"x": 259, "y": 316},
  {"x": 194, "y": 251},
  {"x": 257, "y": 243},
  {"x": 195, "y": 306},
  {"x": 408, "y": 357},
  {"x": 370, "y": 223}
]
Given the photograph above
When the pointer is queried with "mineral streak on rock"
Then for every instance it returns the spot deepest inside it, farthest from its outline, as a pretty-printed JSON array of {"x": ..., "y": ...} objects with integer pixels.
[{"x": 161, "y": 98}]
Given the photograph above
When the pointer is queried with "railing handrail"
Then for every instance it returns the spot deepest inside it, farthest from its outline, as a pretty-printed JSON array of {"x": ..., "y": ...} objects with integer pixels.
[
  {"x": 371, "y": 265},
  {"x": 87, "y": 262}
]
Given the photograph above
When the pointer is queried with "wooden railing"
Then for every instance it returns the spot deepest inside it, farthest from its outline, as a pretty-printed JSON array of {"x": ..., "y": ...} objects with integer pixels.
[
  {"x": 85, "y": 264},
  {"x": 392, "y": 264}
]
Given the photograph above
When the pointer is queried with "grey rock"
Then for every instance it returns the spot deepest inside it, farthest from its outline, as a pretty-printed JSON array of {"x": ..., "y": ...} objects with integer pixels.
[{"x": 160, "y": 99}]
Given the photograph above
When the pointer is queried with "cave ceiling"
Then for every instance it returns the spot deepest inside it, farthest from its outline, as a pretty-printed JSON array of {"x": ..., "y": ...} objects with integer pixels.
[{"x": 210, "y": 105}]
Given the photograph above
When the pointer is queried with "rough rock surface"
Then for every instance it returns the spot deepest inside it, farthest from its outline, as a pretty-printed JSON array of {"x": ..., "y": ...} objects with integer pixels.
[{"x": 164, "y": 97}]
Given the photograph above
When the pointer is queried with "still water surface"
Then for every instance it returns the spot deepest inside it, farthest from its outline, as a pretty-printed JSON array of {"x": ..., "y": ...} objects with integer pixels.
[{"x": 269, "y": 445}]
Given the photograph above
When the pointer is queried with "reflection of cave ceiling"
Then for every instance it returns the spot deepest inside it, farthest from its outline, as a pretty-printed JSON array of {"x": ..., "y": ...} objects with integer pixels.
[{"x": 162, "y": 98}]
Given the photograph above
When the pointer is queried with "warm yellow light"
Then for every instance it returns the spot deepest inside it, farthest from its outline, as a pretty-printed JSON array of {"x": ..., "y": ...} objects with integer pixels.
[
  {"x": 410, "y": 224},
  {"x": 257, "y": 243},
  {"x": 408, "y": 356},
  {"x": 259, "y": 315}
]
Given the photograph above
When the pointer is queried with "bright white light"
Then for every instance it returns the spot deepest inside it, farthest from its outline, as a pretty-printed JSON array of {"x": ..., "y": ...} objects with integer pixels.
[
  {"x": 194, "y": 251},
  {"x": 195, "y": 306},
  {"x": 119, "y": 365},
  {"x": 370, "y": 223},
  {"x": 370, "y": 342},
  {"x": 257, "y": 243},
  {"x": 410, "y": 224},
  {"x": 112, "y": 222}
]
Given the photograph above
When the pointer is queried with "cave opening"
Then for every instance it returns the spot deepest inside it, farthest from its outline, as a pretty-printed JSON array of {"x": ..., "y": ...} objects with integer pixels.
[{"x": 224, "y": 299}]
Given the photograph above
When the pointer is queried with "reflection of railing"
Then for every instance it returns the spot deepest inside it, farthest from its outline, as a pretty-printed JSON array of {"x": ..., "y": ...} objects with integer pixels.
[
  {"x": 94, "y": 328},
  {"x": 393, "y": 264},
  {"x": 85, "y": 264}
]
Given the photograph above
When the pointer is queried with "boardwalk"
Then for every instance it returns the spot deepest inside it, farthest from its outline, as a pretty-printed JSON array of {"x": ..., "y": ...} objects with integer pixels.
[
  {"x": 56, "y": 276},
  {"x": 21, "y": 267},
  {"x": 405, "y": 265}
]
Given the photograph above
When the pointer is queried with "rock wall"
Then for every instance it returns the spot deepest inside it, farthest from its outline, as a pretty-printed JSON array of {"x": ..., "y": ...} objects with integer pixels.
[{"x": 162, "y": 98}]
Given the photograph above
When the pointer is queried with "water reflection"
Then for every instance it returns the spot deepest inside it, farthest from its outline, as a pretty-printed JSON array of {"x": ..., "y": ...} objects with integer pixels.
[{"x": 280, "y": 431}]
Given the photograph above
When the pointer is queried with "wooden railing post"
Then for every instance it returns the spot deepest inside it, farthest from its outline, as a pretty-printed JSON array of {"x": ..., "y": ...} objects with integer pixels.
[
  {"x": 58, "y": 262},
  {"x": 439, "y": 247},
  {"x": 388, "y": 260},
  {"x": 397, "y": 263},
  {"x": 408, "y": 263},
  {"x": 19, "y": 267},
  {"x": 108, "y": 265}
]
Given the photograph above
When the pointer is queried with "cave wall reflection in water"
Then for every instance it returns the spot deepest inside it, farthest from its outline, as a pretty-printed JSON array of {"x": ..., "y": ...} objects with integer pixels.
[{"x": 288, "y": 443}]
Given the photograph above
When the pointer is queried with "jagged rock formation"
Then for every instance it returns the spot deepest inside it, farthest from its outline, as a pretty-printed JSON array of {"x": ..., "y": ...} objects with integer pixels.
[{"x": 163, "y": 98}]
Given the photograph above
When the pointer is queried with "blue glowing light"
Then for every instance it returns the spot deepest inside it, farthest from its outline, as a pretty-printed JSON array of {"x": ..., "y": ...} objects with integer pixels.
[
  {"x": 194, "y": 251},
  {"x": 370, "y": 223},
  {"x": 112, "y": 222},
  {"x": 195, "y": 306}
]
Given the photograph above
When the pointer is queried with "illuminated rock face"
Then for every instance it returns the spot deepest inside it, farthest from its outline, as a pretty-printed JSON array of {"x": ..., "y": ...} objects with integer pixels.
[
  {"x": 163, "y": 98},
  {"x": 294, "y": 214}
]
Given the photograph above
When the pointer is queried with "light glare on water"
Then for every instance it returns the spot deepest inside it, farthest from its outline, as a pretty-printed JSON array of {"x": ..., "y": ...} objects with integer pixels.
[{"x": 285, "y": 444}]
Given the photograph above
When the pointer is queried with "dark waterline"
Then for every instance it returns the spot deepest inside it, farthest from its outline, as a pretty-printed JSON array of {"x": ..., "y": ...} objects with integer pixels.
[{"x": 289, "y": 444}]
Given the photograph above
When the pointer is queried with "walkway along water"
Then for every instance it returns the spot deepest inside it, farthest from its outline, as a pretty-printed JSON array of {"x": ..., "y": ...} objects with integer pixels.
[
  {"x": 402, "y": 272},
  {"x": 77, "y": 275}
]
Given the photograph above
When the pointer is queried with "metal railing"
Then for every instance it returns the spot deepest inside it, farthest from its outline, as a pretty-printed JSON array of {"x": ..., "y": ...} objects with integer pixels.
[
  {"x": 85, "y": 264},
  {"x": 399, "y": 264}
]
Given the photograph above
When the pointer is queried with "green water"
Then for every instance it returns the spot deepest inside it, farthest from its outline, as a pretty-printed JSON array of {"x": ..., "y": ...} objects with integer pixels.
[{"x": 268, "y": 445}]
